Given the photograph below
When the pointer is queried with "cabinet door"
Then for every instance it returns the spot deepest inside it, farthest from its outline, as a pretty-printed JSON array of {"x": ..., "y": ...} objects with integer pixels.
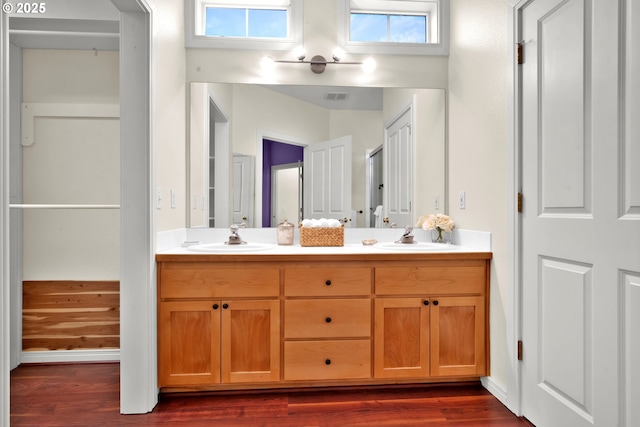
[
  {"x": 458, "y": 336},
  {"x": 401, "y": 338},
  {"x": 250, "y": 341},
  {"x": 189, "y": 342}
]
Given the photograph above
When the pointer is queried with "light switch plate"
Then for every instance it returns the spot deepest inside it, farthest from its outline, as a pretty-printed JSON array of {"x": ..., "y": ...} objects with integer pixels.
[{"x": 462, "y": 199}]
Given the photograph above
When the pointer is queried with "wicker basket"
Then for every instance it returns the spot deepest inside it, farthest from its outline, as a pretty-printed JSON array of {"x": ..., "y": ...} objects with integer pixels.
[{"x": 322, "y": 236}]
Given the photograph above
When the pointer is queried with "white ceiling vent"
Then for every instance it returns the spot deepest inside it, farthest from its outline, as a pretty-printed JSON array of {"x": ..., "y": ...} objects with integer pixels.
[{"x": 336, "y": 96}]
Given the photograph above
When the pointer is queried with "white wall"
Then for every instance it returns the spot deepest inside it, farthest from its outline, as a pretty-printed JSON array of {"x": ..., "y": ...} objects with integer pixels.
[
  {"x": 475, "y": 74},
  {"x": 71, "y": 161},
  {"x": 198, "y": 149},
  {"x": 169, "y": 109},
  {"x": 428, "y": 133},
  {"x": 255, "y": 107},
  {"x": 320, "y": 29},
  {"x": 478, "y": 145},
  {"x": 366, "y": 129}
]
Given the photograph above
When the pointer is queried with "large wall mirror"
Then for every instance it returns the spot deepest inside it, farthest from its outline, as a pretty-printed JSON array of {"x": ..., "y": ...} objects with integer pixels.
[{"x": 369, "y": 156}]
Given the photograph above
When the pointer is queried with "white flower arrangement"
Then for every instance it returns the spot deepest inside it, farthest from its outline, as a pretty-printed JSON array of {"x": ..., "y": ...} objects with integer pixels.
[{"x": 439, "y": 222}]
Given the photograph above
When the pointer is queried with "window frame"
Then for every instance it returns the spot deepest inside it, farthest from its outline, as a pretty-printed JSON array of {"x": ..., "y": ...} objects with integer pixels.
[
  {"x": 195, "y": 10},
  {"x": 390, "y": 48}
]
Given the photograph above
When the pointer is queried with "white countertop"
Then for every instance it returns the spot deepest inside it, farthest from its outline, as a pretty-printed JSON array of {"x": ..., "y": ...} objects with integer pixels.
[
  {"x": 350, "y": 248},
  {"x": 263, "y": 242}
]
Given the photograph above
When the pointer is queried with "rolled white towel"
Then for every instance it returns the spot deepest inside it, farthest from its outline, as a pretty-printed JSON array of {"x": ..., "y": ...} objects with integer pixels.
[
  {"x": 378, "y": 214},
  {"x": 333, "y": 223}
]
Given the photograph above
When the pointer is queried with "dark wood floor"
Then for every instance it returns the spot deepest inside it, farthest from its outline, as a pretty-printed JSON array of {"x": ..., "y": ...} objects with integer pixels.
[{"x": 87, "y": 395}]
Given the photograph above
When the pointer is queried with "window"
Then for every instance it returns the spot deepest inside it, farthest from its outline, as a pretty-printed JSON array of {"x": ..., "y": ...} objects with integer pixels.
[
  {"x": 377, "y": 27},
  {"x": 253, "y": 24},
  {"x": 246, "y": 22},
  {"x": 394, "y": 26}
]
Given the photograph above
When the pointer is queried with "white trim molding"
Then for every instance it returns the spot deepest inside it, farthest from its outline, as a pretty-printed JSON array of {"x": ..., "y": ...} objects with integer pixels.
[
  {"x": 5, "y": 332},
  {"x": 71, "y": 356},
  {"x": 514, "y": 186}
]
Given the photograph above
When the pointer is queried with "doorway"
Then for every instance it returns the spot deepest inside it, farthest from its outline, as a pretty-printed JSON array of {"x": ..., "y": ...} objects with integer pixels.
[
  {"x": 286, "y": 193},
  {"x": 276, "y": 153}
]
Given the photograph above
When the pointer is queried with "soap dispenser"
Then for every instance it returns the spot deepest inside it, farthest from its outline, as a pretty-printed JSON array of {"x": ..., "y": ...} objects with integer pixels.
[{"x": 285, "y": 233}]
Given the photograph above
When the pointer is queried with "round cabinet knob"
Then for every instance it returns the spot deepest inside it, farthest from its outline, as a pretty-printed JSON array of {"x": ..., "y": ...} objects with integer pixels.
[
  {"x": 328, "y": 320},
  {"x": 435, "y": 302},
  {"x": 225, "y": 306},
  {"x": 327, "y": 362},
  {"x": 328, "y": 283},
  {"x": 425, "y": 302},
  {"x": 215, "y": 306}
]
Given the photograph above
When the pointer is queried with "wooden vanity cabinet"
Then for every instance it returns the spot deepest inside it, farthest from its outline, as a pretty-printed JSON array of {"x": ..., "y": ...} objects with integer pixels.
[
  {"x": 327, "y": 323},
  {"x": 252, "y": 321},
  {"x": 212, "y": 329},
  {"x": 430, "y": 320}
]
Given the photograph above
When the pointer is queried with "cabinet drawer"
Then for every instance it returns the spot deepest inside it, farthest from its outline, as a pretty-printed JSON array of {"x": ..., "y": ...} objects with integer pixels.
[
  {"x": 432, "y": 280},
  {"x": 327, "y": 318},
  {"x": 327, "y": 360},
  {"x": 327, "y": 281},
  {"x": 201, "y": 280}
]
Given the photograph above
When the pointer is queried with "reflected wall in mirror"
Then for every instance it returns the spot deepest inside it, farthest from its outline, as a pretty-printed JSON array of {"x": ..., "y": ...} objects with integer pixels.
[{"x": 395, "y": 159}]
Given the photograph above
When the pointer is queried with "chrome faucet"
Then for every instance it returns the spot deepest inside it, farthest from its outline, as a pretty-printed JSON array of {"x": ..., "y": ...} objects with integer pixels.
[
  {"x": 407, "y": 237},
  {"x": 234, "y": 238}
]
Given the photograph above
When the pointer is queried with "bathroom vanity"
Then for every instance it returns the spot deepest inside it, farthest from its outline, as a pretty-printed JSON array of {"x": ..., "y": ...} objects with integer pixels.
[{"x": 300, "y": 317}]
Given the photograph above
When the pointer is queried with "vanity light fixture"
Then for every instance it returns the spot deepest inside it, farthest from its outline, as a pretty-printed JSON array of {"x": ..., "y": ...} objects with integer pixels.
[{"x": 318, "y": 63}]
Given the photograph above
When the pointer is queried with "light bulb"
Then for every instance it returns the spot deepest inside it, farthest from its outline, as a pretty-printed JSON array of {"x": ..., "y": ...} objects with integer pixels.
[
  {"x": 337, "y": 54},
  {"x": 267, "y": 63},
  {"x": 369, "y": 65},
  {"x": 300, "y": 53}
]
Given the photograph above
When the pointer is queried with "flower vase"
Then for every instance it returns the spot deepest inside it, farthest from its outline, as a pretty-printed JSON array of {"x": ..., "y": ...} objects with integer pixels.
[{"x": 438, "y": 235}]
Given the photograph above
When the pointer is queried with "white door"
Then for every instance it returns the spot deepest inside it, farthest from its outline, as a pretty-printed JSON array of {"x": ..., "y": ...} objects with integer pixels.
[
  {"x": 327, "y": 179},
  {"x": 286, "y": 193},
  {"x": 243, "y": 189},
  {"x": 398, "y": 170},
  {"x": 581, "y": 217}
]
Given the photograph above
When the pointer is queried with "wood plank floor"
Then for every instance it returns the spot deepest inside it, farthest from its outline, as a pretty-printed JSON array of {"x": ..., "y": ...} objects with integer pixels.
[{"x": 87, "y": 395}]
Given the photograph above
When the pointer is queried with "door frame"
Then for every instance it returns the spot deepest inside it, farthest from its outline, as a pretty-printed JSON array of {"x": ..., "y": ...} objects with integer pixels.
[
  {"x": 262, "y": 134},
  {"x": 368, "y": 183},
  {"x": 274, "y": 193},
  {"x": 513, "y": 397},
  {"x": 138, "y": 390}
]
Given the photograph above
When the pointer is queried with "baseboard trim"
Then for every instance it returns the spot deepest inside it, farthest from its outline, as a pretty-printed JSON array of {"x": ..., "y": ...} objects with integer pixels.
[
  {"x": 496, "y": 389},
  {"x": 57, "y": 356}
]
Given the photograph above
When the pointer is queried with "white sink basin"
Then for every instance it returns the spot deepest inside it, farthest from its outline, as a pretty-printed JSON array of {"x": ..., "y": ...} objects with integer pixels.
[
  {"x": 415, "y": 247},
  {"x": 229, "y": 249}
]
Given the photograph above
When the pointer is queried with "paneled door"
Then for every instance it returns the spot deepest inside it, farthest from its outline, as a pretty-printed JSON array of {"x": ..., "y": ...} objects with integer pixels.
[
  {"x": 581, "y": 213},
  {"x": 243, "y": 189},
  {"x": 398, "y": 170},
  {"x": 327, "y": 179}
]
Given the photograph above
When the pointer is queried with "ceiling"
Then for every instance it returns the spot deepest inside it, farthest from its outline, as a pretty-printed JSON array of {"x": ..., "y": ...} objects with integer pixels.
[{"x": 334, "y": 97}]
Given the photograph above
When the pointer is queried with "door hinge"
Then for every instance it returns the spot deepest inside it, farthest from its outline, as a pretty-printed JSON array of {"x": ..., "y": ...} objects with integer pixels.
[
  {"x": 520, "y": 202},
  {"x": 519, "y": 47},
  {"x": 519, "y": 350}
]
